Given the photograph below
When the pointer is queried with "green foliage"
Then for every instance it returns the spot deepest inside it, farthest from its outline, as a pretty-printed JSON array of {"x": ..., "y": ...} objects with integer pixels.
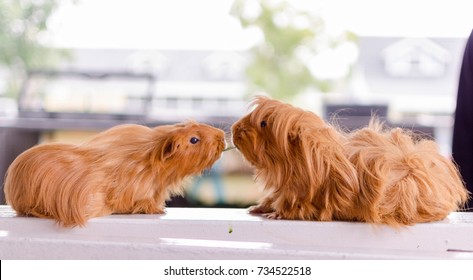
[
  {"x": 22, "y": 25},
  {"x": 277, "y": 66}
]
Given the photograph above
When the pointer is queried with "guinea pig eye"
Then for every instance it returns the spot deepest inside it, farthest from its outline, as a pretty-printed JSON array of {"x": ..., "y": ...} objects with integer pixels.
[
  {"x": 194, "y": 140},
  {"x": 263, "y": 124}
]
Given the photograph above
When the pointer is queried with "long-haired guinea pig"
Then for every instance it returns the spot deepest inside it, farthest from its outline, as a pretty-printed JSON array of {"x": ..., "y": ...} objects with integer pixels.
[
  {"x": 126, "y": 169},
  {"x": 313, "y": 171}
]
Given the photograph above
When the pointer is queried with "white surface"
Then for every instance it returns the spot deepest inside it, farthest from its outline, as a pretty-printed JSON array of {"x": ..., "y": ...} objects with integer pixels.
[{"x": 201, "y": 233}]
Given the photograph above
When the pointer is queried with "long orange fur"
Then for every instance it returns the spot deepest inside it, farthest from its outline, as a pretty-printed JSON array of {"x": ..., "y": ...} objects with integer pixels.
[
  {"x": 126, "y": 169},
  {"x": 313, "y": 171}
]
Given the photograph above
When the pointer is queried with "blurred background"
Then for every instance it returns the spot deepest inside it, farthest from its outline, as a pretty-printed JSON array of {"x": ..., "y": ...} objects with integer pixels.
[{"x": 71, "y": 68}]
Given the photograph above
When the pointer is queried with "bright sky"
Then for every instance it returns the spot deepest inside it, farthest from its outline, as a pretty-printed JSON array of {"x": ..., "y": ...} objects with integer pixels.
[{"x": 206, "y": 24}]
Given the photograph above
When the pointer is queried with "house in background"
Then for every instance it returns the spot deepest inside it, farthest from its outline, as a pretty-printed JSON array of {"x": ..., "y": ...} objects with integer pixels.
[
  {"x": 189, "y": 83},
  {"x": 416, "y": 57},
  {"x": 413, "y": 75}
]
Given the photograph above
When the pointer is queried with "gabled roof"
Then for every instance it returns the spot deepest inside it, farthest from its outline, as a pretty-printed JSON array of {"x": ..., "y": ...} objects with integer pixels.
[{"x": 415, "y": 57}]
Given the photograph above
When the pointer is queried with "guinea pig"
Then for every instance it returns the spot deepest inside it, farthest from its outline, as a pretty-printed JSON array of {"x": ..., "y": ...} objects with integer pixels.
[
  {"x": 313, "y": 171},
  {"x": 126, "y": 169}
]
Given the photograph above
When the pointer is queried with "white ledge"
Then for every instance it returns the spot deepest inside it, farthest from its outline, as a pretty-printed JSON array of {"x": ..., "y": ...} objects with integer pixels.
[{"x": 206, "y": 233}]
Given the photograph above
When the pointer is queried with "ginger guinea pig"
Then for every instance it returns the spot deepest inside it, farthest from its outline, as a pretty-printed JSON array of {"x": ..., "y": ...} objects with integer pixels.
[
  {"x": 313, "y": 171},
  {"x": 126, "y": 169}
]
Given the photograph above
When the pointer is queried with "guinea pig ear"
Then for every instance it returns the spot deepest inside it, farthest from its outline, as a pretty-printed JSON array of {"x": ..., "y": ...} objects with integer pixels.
[{"x": 167, "y": 149}]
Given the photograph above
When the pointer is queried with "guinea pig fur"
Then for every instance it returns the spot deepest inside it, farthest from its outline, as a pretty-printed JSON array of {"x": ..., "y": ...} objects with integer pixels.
[
  {"x": 313, "y": 171},
  {"x": 126, "y": 169}
]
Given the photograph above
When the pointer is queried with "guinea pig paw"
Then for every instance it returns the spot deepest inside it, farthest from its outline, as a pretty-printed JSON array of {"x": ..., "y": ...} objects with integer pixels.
[
  {"x": 259, "y": 209},
  {"x": 273, "y": 216}
]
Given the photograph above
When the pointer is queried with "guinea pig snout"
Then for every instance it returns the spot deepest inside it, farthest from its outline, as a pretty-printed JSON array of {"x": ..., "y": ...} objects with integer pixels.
[
  {"x": 220, "y": 140},
  {"x": 238, "y": 129},
  {"x": 238, "y": 132}
]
